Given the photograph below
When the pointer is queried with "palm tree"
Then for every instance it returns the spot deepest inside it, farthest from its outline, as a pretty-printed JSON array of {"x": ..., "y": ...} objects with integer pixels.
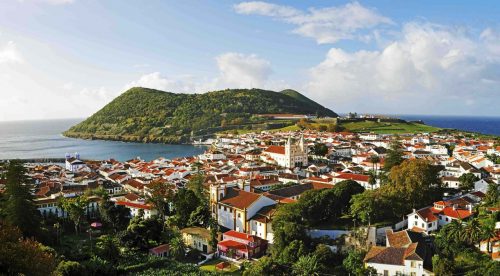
[
  {"x": 471, "y": 231},
  {"x": 453, "y": 230},
  {"x": 372, "y": 180},
  {"x": 307, "y": 265},
  {"x": 374, "y": 159},
  {"x": 177, "y": 247},
  {"x": 488, "y": 230}
]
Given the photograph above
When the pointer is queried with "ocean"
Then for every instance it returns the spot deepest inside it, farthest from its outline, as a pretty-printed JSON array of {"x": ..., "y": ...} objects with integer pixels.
[
  {"x": 485, "y": 125},
  {"x": 43, "y": 139}
]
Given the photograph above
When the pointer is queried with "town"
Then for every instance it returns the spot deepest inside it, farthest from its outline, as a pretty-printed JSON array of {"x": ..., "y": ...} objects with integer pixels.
[{"x": 304, "y": 202}]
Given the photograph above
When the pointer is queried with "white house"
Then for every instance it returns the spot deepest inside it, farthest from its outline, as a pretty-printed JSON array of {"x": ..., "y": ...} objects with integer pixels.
[{"x": 405, "y": 253}]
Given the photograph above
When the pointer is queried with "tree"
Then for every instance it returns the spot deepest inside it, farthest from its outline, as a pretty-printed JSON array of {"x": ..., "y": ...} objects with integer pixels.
[
  {"x": 185, "y": 202},
  {"x": 177, "y": 247},
  {"x": 288, "y": 226},
  {"x": 394, "y": 155},
  {"x": 353, "y": 264},
  {"x": 195, "y": 184},
  {"x": 467, "y": 181},
  {"x": 492, "y": 194},
  {"x": 143, "y": 233},
  {"x": 161, "y": 195},
  {"x": 200, "y": 216},
  {"x": 293, "y": 252},
  {"x": 19, "y": 207},
  {"x": 413, "y": 180},
  {"x": 76, "y": 208},
  {"x": 324, "y": 255},
  {"x": 374, "y": 159},
  {"x": 307, "y": 265},
  {"x": 471, "y": 232},
  {"x": 21, "y": 256},
  {"x": 69, "y": 268},
  {"x": 320, "y": 149},
  {"x": 442, "y": 266},
  {"x": 265, "y": 266},
  {"x": 372, "y": 180},
  {"x": 107, "y": 248},
  {"x": 115, "y": 215}
]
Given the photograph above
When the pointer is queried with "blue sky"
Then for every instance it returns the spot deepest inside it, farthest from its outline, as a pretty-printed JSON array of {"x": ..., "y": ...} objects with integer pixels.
[{"x": 68, "y": 58}]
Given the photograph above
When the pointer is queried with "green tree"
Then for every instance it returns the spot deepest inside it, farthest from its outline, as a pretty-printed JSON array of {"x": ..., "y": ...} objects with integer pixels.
[
  {"x": 320, "y": 149},
  {"x": 117, "y": 216},
  {"x": 307, "y": 265},
  {"x": 20, "y": 210},
  {"x": 21, "y": 256},
  {"x": 107, "y": 248},
  {"x": 442, "y": 266},
  {"x": 492, "y": 194},
  {"x": 76, "y": 208},
  {"x": 69, "y": 268},
  {"x": 394, "y": 155},
  {"x": 467, "y": 181},
  {"x": 264, "y": 266},
  {"x": 292, "y": 252},
  {"x": 353, "y": 264},
  {"x": 288, "y": 226},
  {"x": 177, "y": 247},
  {"x": 185, "y": 202},
  {"x": 195, "y": 184},
  {"x": 413, "y": 181}
]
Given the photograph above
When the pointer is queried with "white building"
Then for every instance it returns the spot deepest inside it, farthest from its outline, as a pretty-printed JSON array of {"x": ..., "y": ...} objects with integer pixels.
[
  {"x": 289, "y": 156},
  {"x": 405, "y": 253}
]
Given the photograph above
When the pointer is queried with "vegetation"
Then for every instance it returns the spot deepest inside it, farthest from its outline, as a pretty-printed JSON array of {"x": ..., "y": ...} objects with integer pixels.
[
  {"x": 19, "y": 209},
  {"x": 456, "y": 251},
  {"x": 293, "y": 252},
  {"x": 411, "y": 184},
  {"x": 148, "y": 115},
  {"x": 388, "y": 127}
]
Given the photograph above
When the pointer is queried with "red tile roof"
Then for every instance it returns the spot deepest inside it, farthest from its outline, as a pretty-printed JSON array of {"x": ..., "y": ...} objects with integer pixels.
[
  {"x": 134, "y": 205},
  {"x": 353, "y": 176},
  {"x": 239, "y": 199},
  {"x": 276, "y": 149}
]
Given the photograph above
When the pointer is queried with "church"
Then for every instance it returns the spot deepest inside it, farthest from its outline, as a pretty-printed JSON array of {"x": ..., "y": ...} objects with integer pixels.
[{"x": 293, "y": 154}]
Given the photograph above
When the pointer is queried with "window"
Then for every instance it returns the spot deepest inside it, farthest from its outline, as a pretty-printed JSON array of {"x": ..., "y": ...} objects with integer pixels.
[
  {"x": 429, "y": 225},
  {"x": 386, "y": 273},
  {"x": 416, "y": 217},
  {"x": 225, "y": 208},
  {"x": 413, "y": 273},
  {"x": 239, "y": 215},
  {"x": 413, "y": 264}
]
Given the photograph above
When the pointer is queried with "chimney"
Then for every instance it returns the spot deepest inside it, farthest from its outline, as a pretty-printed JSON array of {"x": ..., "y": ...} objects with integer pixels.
[{"x": 454, "y": 207}]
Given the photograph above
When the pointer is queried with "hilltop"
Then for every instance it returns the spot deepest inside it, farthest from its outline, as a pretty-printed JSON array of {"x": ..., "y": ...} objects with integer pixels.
[{"x": 149, "y": 115}]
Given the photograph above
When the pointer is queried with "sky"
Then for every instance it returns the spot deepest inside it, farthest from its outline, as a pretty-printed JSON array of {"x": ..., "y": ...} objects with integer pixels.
[{"x": 69, "y": 58}]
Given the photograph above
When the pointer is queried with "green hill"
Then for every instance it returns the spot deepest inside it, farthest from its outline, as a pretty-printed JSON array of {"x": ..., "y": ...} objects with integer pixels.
[{"x": 148, "y": 115}]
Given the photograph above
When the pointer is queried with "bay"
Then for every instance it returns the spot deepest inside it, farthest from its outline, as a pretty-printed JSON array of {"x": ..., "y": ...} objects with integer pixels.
[{"x": 43, "y": 139}]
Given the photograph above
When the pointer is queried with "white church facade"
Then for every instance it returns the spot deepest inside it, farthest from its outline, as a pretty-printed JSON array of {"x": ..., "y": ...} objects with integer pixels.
[{"x": 293, "y": 154}]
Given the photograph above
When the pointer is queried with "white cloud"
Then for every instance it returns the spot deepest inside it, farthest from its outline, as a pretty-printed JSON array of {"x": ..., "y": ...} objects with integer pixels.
[
  {"x": 10, "y": 54},
  {"x": 429, "y": 69},
  {"x": 235, "y": 70},
  {"x": 242, "y": 71},
  {"x": 325, "y": 25},
  {"x": 155, "y": 80}
]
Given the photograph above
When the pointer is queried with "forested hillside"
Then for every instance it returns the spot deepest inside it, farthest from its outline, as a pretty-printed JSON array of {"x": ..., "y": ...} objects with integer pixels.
[{"x": 148, "y": 115}]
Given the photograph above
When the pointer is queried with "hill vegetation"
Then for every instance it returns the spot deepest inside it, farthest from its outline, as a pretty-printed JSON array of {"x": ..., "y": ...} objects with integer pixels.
[{"x": 148, "y": 115}]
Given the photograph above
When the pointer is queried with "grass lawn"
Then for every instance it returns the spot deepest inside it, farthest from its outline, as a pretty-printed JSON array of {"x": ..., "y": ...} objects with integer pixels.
[
  {"x": 287, "y": 128},
  {"x": 210, "y": 266},
  {"x": 388, "y": 128}
]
